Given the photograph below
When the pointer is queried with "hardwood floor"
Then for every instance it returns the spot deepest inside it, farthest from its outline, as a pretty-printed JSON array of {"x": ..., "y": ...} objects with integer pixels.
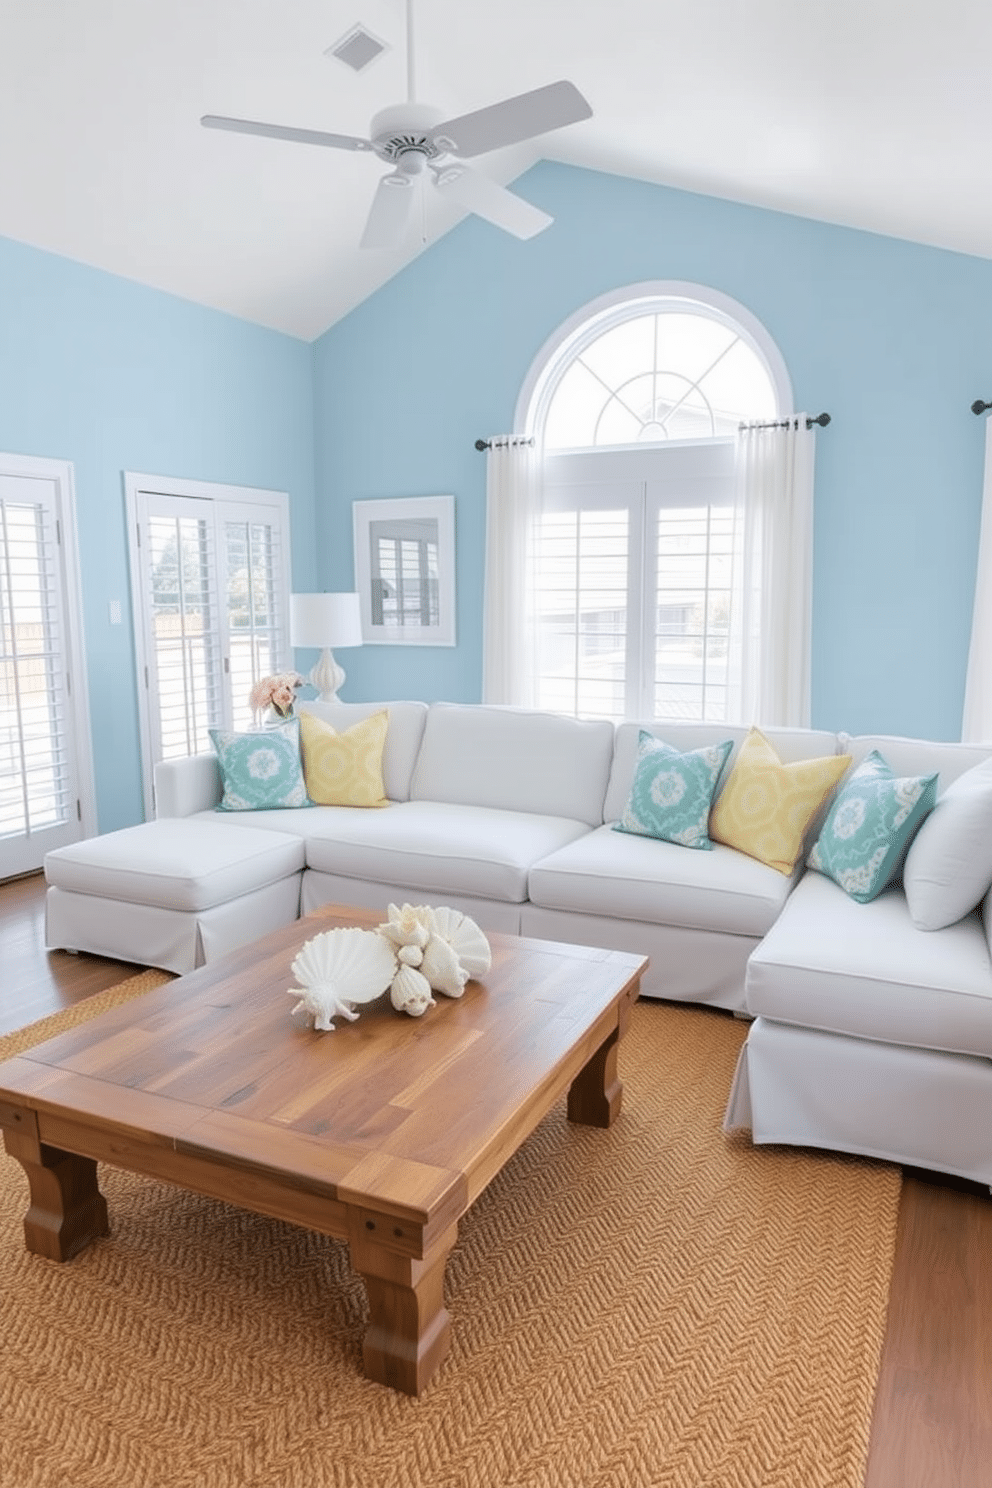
[
  {"x": 36, "y": 982},
  {"x": 932, "y": 1426}
]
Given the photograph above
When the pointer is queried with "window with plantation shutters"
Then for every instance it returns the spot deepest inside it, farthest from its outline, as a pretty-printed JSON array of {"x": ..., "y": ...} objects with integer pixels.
[
  {"x": 211, "y": 566},
  {"x": 632, "y": 559},
  {"x": 636, "y": 405},
  {"x": 42, "y": 683}
]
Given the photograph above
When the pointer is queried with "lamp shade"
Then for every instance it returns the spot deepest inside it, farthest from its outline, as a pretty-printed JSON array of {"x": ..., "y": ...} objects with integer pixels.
[{"x": 325, "y": 620}]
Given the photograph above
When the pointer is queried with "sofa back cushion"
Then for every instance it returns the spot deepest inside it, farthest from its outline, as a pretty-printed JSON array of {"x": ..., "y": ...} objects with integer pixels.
[
  {"x": 917, "y": 756},
  {"x": 514, "y": 760},
  {"x": 403, "y": 736},
  {"x": 789, "y": 745}
]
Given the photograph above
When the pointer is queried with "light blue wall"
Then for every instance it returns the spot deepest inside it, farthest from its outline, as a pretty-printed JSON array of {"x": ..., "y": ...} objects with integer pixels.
[
  {"x": 114, "y": 376},
  {"x": 893, "y": 339}
]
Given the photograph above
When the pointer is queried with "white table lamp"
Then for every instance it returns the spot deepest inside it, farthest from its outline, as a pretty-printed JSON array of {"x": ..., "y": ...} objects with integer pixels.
[{"x": 325, "y": 621}]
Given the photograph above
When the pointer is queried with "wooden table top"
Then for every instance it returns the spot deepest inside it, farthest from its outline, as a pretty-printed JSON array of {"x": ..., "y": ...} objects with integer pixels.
[{"x": 411, "y": 1116}]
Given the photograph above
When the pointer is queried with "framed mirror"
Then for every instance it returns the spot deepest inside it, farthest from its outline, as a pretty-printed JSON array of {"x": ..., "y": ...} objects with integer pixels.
[{"x": 405, "y": 570}]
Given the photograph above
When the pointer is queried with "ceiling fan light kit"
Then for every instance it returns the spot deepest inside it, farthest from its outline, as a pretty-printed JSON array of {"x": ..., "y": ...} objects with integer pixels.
[{"x": 418, "y": 142}]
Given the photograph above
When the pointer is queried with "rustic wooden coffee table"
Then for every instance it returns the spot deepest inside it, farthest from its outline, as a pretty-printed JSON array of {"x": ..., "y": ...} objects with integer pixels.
[{"x": 382, "y": 1133}]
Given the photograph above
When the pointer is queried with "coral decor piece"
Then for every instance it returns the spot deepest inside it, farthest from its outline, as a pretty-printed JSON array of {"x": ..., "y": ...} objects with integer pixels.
[
  {"x": 337, "y": 970},
  {"x": 277, "y": 692},
  {"x": 409, "y": 926}
]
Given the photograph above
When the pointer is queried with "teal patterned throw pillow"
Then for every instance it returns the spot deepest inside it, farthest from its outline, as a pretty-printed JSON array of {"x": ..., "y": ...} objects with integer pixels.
[
  {"x": 870, "y": 826},
  {"x": 672, "y": 792},
  {"x": 261, "y": 771}
]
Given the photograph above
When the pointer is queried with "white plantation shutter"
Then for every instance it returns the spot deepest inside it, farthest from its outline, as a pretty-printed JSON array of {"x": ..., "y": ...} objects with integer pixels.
[
  {"x": 185, "y": 679},
  {"x": 693, "y": 555},
  {"x": 583, "y": 556},
  {"x": 255, "y": 604},
  {"x": 633, "y": 553},
  {"x": 211, "y": 600},
  {"x": 40, "y": 796}
]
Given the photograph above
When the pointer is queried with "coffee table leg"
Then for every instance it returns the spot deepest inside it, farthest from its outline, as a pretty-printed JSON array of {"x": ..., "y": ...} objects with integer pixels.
[
  {"x": 67, "y": 1208},
  {"x": 596, "y": 1094},
  {"x": 409, "y": 1330}
]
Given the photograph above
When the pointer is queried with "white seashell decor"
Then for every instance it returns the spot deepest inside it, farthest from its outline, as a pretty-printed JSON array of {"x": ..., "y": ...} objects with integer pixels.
[
  {"x": 407, "y": 926},
  {"x": 445, "y": 946},
  {"x": 410, "y": 991},
  {"x": 417, "y": 951},
  {"x": 338, "y": 970},
  {"x": 441, "y": 967},
  {"x": 464, "y": 935}
]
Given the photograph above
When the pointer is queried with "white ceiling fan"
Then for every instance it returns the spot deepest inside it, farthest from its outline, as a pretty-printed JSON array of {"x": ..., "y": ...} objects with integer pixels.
[{"x": 419, "y": 143}]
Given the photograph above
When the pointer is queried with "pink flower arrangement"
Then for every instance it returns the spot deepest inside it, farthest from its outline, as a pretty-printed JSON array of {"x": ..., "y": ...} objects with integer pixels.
[{"x": 277, "y": 692}]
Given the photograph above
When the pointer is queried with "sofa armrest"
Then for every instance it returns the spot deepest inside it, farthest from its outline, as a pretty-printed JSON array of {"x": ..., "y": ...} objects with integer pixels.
[{"x": 184, "y": 786}]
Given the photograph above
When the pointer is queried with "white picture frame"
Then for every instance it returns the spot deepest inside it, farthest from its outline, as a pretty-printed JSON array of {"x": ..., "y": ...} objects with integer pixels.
[{"x": 405, "y": 570}]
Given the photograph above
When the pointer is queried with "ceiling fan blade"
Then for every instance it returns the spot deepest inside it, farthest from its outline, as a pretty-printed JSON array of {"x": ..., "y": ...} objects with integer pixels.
[
  {"x": 392, "y": 208},
  {"x": 281, "y": 132},
  {"x": 487, "y": 199},
  {"x": 513, "y": 120}
]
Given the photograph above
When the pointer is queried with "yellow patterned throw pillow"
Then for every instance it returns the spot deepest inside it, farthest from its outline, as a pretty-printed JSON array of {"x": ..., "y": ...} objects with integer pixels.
[
  {"x": 344, "y": 769},
  {"x": 766, "y": 808}
]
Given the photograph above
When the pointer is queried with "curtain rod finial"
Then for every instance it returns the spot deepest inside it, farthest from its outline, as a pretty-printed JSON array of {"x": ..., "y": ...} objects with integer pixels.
[{"x": 979, "y": 407}]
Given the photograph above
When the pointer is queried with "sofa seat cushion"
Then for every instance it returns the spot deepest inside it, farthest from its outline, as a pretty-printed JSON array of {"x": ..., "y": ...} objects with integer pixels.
[
  {"x": 865, "y": 970},
  {"x": 183, "y": 863},
  {"x": 439, "y": 847},
  {"x": 639, "y": 878}
]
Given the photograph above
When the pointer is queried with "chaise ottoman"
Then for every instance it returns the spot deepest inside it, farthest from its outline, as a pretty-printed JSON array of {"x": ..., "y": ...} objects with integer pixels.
[{"x": 173, "y": 893}]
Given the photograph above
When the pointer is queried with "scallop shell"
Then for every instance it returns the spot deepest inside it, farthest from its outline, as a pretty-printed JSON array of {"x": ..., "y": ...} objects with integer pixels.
[
  {"x": 442, "y": 967},
  {"x": 348, "y": 966},
  {"x": 461, "y": 932},
  {"x": 410, "y": 991}
]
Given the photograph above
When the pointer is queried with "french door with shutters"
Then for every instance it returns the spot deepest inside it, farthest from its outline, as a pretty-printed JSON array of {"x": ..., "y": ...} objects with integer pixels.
[
  {"x": 46, "y": 787},
  {"x": 210, "y": 587}
]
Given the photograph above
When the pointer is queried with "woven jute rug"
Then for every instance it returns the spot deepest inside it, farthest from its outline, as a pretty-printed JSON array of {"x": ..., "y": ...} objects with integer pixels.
[{"x": 651, "y": 1305}]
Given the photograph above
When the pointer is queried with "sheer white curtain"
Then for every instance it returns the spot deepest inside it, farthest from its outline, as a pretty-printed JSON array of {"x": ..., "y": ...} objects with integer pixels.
[
  {"x": 513, "y": 502},
  {"x": 976, "y": 727},
  {"x": 771, "y": 609}
]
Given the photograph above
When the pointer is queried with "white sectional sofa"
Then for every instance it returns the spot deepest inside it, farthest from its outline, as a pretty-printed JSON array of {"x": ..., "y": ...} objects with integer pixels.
[{"x": 869, "y": 1035}]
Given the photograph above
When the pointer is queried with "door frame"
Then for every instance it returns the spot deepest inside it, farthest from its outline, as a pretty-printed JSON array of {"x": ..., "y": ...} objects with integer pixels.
[
  {"x": 136, "y": 484},
  {"x": 61, "y": 474}
]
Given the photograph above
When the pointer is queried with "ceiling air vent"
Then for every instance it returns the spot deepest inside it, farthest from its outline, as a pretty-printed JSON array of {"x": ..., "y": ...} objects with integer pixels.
[{"x": 357, "y": 49}]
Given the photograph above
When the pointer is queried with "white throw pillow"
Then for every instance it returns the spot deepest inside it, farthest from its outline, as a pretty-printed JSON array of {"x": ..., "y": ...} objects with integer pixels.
[{"x": 948, "y": 868}]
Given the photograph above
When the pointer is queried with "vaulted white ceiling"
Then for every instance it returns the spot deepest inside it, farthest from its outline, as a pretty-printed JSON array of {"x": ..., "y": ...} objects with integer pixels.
[{"x": 871, "y": 113}]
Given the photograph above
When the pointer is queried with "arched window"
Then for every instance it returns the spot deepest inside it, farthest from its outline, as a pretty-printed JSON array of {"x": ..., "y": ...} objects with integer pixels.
[
  {"x": 651, "y": 364},
  {"x": 667, "y": 373},
  {"x": 636, "y": 402}
]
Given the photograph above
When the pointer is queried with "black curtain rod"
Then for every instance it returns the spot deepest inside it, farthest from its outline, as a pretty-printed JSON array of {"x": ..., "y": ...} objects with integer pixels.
[
  {"x": 822, "y": 419},
  {"x": 502, "y": 443},
  {"x": 979, "y": 407}
]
